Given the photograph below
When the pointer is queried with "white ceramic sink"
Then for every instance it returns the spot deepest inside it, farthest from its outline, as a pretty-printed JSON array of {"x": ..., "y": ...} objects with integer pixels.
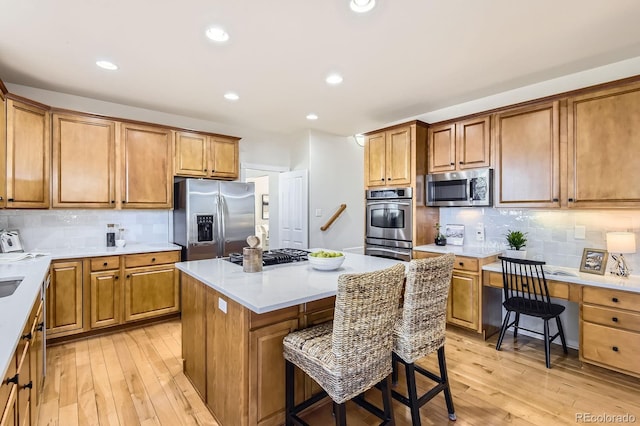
[{"x": 9, "y": 285}]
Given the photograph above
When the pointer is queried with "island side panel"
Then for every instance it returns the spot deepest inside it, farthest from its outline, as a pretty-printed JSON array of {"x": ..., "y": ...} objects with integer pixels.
[
  {"x": 227, "y": 344},
  {"x": 194, "y": 329}
]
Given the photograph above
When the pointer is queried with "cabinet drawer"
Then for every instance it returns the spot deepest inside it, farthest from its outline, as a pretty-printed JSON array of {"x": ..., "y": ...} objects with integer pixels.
[
  {"x": 610, "y": 346},
  {"x": 146, "y": 259},
  {"x": 556, "y": 288},
  {"x": 105, "y": 263},
  {"x": 611, "y": 317},
  {"x": 466, "y": 264},
  {"x": 614, "y": 298}
]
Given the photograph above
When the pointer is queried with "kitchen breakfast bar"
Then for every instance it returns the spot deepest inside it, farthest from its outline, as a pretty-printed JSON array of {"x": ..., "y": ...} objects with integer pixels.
[{"x": 233, "y": 324}]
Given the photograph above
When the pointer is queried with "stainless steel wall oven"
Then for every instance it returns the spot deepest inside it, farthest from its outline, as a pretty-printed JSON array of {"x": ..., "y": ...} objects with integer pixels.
[{"x": 389, "y": 226}]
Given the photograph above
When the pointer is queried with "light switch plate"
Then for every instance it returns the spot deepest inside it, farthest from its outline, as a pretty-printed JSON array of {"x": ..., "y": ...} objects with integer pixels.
[
  {"x": 580, "y": 232},
  {"x": 318, "y": 212},
  {"x": 222, "y": 304}
]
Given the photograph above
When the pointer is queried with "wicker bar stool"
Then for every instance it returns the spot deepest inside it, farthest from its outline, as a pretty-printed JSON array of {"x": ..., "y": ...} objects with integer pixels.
[
  {"x": 350, "y": 355},
  {"x": 420, "y": 330}
]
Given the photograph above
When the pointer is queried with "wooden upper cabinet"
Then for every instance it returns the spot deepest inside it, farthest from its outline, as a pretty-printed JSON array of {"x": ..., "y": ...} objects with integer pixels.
[
  {"x": 603, "y": 139},
  {"x": 388, "y": 158},
  {"x": 223, "y": 157},
  {"x": 459, "y": 146},
  {"x": 201, "y": 155},
  {"x": 442, "y": 148},
  {"x": 28, "y": 155},
  {"x": 527, "y": 157},
  {"x": 146, "y": 165},
  {"x": 3, "y": 150},
  {"x": 84, "y": 159}
]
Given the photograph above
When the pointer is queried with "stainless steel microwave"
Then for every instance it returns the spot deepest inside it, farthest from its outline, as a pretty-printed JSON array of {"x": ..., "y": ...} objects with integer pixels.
[{"x": 468, "y": 188}]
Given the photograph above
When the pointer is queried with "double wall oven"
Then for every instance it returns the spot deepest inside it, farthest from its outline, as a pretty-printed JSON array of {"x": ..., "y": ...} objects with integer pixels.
[{"x": 389, "y": 223}]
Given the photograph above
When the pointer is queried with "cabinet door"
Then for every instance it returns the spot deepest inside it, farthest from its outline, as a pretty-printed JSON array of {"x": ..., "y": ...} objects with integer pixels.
[
  {"x": 194, "y": 320},
  {"x": 374, "y": 163},
  {"x": 146, "y": 166},
  {"x": 64, "y": 298},
  {"x": 36, "y": 353},
  {"x": 604, "y": 133},
  {"x": 266, "y": 366},
  {"x": 83, "y": 162},
  {"x": 442, "y": 148},
  {"x": 151, "y": 291},
  {"x": 528, "y": 150},
  {"x": 223, "y": 157},
  {"x": 463, "y": 300},
  {"x": 3, "y": 153},
  {"x": 28, "y": 156},
  {"x": 105, "y": 298},
  {"x": 473, "y": 143},
  {"x": 191, "y": 156},
  {"x": 8, "y": 396},
  {"x": 398, "y": 157}
]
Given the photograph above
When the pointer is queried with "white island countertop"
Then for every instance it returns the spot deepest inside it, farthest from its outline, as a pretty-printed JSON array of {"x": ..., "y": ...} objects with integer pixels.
[{"x": 278, "y": 286}]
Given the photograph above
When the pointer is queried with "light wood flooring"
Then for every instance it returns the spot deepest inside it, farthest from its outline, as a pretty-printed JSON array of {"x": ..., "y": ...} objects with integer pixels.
[{"x": 135, "y": 378}]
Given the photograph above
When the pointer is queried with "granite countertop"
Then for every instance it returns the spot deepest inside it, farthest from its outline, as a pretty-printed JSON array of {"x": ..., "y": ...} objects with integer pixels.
[
  {"x": 278, "y": 286},
  {"x": 573, "y": 275},
  {"x": 465, "y": 250}
]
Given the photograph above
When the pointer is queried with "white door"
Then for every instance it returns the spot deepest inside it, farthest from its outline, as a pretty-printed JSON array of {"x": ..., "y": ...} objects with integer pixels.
[{"x": 293, "y": 225}]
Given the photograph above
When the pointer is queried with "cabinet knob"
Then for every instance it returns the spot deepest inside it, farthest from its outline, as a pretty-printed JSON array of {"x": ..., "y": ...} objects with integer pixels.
[
  {"x": 614, "y": 299},
  {"x": 571, "y": 200},
  {"x": 614, "y": 319},
  {"x": 204, "y": 170},
  {"x": 128, "y": 276},
  {"x": 615, "y": 349},
  {"x": 213, "y": 171},
  {"x": 452, "y": 164},
  {"x": 116, "y": 277},
  {"x": 1, "y": 198},
  {"x": 461, "y": 162},
  {"x": 153, "y": 259},
  {"x": 113, "y": 201},
  {"x": 388, "y": 178},
  {"x": 105, "y": 264},
  {"x": 124, "y": 201},
  {"x": 461, "y": 263},
  {"x": 10, "y": 199},
  {"x": 555, "y": 200},
  {"x": 382, "y": 178}
]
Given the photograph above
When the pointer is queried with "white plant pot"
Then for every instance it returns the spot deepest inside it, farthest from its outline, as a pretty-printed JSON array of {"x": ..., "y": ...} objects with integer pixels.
[{"x": 516, "y": 254}]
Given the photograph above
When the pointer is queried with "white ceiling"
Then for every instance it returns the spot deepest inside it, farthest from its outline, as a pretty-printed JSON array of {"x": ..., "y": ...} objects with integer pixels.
[{"x": 403, "y": 59}]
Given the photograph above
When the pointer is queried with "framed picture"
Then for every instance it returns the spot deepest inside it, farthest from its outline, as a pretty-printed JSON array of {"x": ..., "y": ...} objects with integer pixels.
[
  {"x": 594, "y": 261},
  {"x": 454, "y": 234},
  {"x": 265, "y": 206},
  {"x": 10, "y": 241}
]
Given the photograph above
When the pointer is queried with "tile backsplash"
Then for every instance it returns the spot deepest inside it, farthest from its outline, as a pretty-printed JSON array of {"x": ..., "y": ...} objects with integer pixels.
[
  {"x": 551, "y": 234},
  {"x": 43, "y": 229}
]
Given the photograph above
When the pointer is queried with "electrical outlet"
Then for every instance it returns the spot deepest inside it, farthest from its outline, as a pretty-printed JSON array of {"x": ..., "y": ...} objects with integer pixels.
[
  {"x": 580, "y": 232},
  {"x": 480, "y": 232},
  {"x": 222, "y": 304}
]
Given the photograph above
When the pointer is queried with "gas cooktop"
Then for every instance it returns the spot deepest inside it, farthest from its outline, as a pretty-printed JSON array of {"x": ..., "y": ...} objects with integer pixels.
[{"x": 275, "y": 256}]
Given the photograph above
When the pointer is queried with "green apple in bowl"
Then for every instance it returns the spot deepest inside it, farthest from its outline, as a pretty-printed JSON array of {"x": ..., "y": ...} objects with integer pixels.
[{"x": 326, "y": 260}]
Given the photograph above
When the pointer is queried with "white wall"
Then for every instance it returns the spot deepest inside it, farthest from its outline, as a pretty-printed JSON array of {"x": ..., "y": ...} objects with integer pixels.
[{"x": 336, "y": 176}]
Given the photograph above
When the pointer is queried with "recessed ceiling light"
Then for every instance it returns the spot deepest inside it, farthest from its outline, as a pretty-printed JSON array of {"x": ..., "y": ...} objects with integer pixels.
[
  {"x": 231, "y": 96},
  {"x": 362, "y": 6},
  {"x": 334, "y": 79},
  {"x": 312, "y": 117},
  {"x": 107, "y": 65},
  {"x": 217, "y": 34}
]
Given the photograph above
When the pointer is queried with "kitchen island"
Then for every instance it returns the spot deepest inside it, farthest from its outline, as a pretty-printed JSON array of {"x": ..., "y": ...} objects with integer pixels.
[{"x": 233, "y": 325}]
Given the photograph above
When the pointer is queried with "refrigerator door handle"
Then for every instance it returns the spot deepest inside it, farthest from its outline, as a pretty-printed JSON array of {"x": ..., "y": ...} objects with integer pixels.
[{"x": 221, "y": 227}]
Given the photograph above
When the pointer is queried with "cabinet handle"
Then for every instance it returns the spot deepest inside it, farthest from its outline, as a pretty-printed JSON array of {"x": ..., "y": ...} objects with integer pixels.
[
  {"x": 10, "y": 199},
  {"x": 615, "y": 349},
  {"x": 461, "y": 162},
  {"x": 13, "y": 380},
  {"x": 555, "y": 200},
  {"x": 571, "y": 200},
  {"x": 27, "y": 336},
  {"x": 28, "y": 385},
  {"x": 614, "y": 319},
  {"x": 388, "y": 178},
  {"x": 614, "y": 299},
  {"x": 40, "y": 326},
  {"x": 452, "y": 164},
  {"x": 105, "y": 264}
]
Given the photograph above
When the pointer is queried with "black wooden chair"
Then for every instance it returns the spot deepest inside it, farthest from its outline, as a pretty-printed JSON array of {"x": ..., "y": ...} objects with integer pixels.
[{"x": 526, "y": 293}]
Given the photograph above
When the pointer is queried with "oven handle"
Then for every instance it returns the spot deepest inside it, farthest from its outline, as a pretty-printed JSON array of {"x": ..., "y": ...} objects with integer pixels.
[
  {"x": 387, "y": 202},
  {"x": 404, "y": 253}
]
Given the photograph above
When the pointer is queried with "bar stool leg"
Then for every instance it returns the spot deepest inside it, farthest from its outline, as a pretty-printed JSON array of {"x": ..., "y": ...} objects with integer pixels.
[
  {"x": 340, "y": 412},
  {"x": 394, "y": 371},
  {"x": 444, "y": 379},
  {"x": 547, "y": 344},
  {"x": 289, "y": 392},
  {"x": 413, "y": 394},
  {"x": 387, "y": 401}
]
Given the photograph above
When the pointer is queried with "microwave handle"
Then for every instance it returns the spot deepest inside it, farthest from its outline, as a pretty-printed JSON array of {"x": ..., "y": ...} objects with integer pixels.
[
  {"x": 471, "y": 188},
  {"x": 387, "y": 202}
]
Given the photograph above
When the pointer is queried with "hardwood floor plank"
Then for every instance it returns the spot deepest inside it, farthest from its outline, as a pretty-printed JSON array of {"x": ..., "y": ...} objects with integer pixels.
[
  {"x": 140, "y": 371},
  {"x": 68, "y": 393}
]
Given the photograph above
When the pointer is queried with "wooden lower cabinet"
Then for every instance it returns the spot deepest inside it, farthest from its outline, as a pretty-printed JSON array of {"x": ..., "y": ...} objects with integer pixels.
[
  {"x": 64, "y": 298},
  {"x": 151, "y": 291},
  {"x": 105, "y": 299},
  {"x": 233, "y": 356},
  {"x": 610, "y": 329}
]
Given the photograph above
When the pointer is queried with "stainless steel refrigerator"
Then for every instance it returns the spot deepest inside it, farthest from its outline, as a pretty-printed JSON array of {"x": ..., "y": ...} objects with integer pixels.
[{"x": 212, "y": 218}]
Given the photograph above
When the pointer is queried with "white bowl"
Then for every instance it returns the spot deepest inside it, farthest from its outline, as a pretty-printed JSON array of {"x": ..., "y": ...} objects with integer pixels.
[
  {"x": 120, "y": 243},
  {"x": 326, "y": 263}
]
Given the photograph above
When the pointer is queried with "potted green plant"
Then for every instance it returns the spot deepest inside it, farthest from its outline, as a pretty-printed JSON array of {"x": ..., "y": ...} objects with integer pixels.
[
  {"x": 441, "y": 240},
  {"x": 516, "y": 241}
]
